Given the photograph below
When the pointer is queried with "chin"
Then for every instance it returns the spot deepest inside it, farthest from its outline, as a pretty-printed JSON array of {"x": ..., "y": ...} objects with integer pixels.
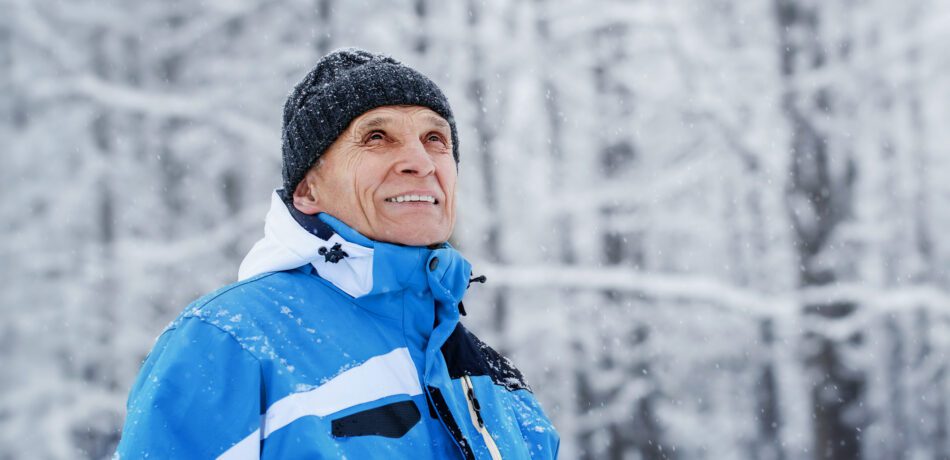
[
  {"x": 419, "y": 241},
  {"x": 418, "y": 238}
]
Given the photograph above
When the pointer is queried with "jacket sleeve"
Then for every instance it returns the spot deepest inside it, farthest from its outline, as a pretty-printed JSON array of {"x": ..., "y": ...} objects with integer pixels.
[
  {"x": 198, "y": 395},
  {"x": 537, "y": 429}
]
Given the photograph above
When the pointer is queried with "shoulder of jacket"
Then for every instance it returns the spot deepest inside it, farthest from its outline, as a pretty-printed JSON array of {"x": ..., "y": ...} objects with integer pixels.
[
  {"x": 236, "y": 294},
  {"x": 210, "y": 299},
  {"x": 251, "y": 308},
  {"x": 217, "y": 302}
]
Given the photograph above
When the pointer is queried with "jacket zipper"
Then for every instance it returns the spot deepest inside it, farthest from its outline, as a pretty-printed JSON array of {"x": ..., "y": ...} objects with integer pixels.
[{"x": 474, "y": 410}]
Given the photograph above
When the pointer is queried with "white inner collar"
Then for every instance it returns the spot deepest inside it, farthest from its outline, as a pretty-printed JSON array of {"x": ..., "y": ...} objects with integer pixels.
[{"x": 286, "y": 245}]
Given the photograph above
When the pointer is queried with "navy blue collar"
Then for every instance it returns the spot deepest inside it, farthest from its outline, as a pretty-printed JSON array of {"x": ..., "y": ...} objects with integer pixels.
[{"x": 310, "y": 223}]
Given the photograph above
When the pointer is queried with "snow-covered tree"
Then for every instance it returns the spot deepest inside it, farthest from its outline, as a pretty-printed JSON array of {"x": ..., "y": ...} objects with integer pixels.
[{"x": 710, "y": 229}]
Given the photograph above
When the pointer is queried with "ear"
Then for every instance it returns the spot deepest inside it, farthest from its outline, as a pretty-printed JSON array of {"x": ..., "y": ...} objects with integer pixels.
[{"x": 305, "y": 196}]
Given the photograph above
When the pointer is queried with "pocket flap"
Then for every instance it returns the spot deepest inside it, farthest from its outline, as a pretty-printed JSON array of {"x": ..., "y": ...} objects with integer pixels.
[{"x": 392, "y": 421}]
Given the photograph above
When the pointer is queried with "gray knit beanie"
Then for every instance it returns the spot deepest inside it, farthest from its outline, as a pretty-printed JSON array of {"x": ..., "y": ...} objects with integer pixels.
[{"x": 344, "y": 85}]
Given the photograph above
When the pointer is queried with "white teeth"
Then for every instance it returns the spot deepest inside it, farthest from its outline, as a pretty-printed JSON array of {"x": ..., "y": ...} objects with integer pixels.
[{"x": 405, "y": 198}]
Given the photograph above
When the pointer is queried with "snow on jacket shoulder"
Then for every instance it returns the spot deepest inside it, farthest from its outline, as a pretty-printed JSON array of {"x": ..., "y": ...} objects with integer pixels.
[{"x": 332, "y": 346}]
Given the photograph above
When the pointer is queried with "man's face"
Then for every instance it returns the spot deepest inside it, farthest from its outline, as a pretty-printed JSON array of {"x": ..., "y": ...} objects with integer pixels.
[{"x": 390, "y": 176}]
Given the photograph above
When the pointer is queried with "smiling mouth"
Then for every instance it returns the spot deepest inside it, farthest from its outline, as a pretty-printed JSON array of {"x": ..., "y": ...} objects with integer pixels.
[{"x": 413, "y": 199}]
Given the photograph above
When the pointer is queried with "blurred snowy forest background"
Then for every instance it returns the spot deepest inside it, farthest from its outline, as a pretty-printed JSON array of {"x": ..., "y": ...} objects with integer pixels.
[{"x": 711, "y": 229}]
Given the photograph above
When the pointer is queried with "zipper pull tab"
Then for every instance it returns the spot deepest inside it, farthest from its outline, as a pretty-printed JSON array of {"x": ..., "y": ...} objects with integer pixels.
[
  {"x": 475, "y": 411},
  {"x": 471, "y": 395},
  {"x": 477, "y": 408}
]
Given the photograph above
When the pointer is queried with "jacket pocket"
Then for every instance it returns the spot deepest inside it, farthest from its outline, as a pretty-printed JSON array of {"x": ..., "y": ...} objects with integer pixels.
[{"x": 391, "y": 421}]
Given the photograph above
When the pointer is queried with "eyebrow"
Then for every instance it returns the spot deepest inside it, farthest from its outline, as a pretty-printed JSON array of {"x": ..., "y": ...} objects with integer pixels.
[
  {"x": 375, "y": 122},
  {"x": 438, "y": 121}
]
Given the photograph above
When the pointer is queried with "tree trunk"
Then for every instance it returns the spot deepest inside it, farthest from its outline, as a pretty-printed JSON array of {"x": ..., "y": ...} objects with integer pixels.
[{"x": 819, "y": 200}]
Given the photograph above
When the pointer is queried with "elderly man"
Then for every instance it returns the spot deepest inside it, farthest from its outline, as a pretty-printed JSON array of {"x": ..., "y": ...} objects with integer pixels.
[{"x": 342, "y": 338}]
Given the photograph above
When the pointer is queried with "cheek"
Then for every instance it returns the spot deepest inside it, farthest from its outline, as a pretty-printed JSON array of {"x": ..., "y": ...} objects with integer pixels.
[
  {"x": 356, "y": 177},
  {"x": 449, "y": 184},
  {"x": 448, "y": 173},
  {"x": 365, "y": 185}
]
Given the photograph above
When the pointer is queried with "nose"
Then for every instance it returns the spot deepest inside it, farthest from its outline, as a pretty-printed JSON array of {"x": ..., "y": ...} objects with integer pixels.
[{"x": 415, "y": 160}]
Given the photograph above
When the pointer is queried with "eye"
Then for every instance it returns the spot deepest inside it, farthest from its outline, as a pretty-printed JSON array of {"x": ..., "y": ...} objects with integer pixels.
[
  {"x": 375, "y": 136},
  {"x": 434, "y": 137}
]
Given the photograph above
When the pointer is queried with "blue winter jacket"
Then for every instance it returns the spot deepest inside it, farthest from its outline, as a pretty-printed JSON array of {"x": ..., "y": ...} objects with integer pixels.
[{"x": 332, "y": 346}]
